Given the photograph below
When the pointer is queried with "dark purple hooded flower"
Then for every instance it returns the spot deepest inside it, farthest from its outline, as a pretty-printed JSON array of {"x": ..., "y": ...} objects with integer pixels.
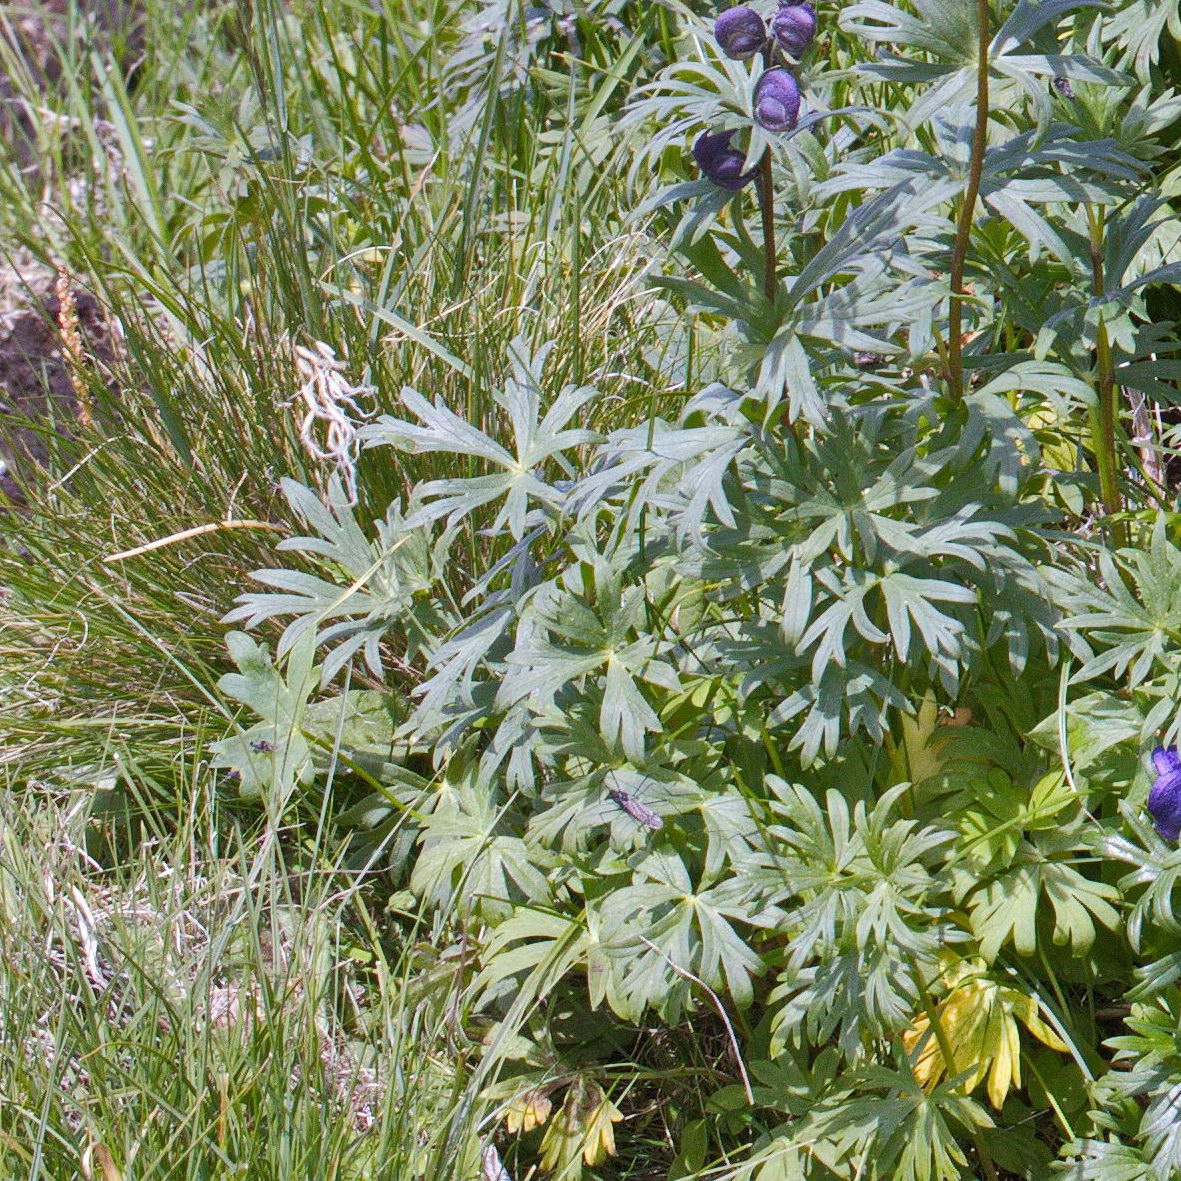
[
  {"x": 777, "y": 101},
  {"x": 720, "y": 162},
  {"x": 740, "y": 32},
  {"x": 794, "y": 27},
  {"x": 1164, "y": 800}
]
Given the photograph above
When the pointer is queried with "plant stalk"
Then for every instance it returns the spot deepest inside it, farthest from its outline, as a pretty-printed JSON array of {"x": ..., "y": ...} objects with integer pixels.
[
  {"x": 955, "y": 358},
  {"x": 767, "y": 210},
  {"x": 1105, "y": 413}
]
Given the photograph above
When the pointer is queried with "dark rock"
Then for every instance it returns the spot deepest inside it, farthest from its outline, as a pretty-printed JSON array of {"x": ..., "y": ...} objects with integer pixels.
[{"x": 37, "y": 392}]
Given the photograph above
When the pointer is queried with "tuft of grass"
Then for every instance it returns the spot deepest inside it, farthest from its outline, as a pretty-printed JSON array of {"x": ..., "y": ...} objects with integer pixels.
[{"x": 215, "y": 1004}]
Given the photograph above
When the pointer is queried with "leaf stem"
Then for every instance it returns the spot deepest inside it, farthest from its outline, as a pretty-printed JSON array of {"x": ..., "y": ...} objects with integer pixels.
[{"x": 955, "y": 360}]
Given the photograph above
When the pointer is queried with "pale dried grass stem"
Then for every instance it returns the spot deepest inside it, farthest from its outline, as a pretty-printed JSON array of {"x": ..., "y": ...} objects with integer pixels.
[{"x": 332, "y": 412}]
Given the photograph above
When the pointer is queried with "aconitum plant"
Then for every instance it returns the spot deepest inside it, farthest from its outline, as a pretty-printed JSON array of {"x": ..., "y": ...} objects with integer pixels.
[
  {"x": 742, "y": 34},
  {"x": 721, "y": 162},
  {"x": 794, "y": 27},
  {"x": 777, "y": 100}
]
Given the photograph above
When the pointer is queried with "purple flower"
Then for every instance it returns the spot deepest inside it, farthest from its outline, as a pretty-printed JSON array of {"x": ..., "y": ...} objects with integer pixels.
[
  {"x": 777, "y": 101},
  {"x": 1164, "y": 800},
  {"x": 740, "y": 32},
  {"x": 794, "y": 27},
  {"x": 720, "y": 162}
]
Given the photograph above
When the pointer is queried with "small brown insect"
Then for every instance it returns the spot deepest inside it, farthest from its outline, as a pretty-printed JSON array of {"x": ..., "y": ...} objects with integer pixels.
[{"x": 635, "y": 809}]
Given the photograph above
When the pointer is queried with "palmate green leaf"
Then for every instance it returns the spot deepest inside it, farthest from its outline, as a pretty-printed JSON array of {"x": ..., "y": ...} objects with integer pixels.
[
  {"x": 1020, "y": 176},
  {"x": 941, "y": 28},
  {"x": 1136, "y": 28},
  {"x": 926, "y": 1145},
  {"x": 1153, "y": 879},
  {"x": 539, "y": 440},
  {"x": 469, "y": 855},
  {"x": 527, "y": 957},
  {"x": 863, "y": 923},
  {"x": 849, "y": 996},
  {"x": 857, "y": 509},
  {"x": 1105, "y": 1160},
  {"x": 876, "y": 294},
  {"x": 822, "y": 706},
  {"x": 909, "y": 601},
  {"x": 1095, "y": 724},
  {"x": 1008, "y": 908},
  {"x": 854, "y": 698},
  {"x": 529, "y": 938},
  {"x": 371, "y": 586},
  {"x": 582, "y": 808},
  {"x": 707, "y": 200},
  {"x": 1132, "y": 616},
  {"x": 732, "y": 833},
  {"x": 1160, "y": 1128},
  {"x": 872, "y": 230},
  {"x": 699, "y": 298},
  {"x": 843, "y": 605},
  {"x": 946, "y": 31},
  {"x": 459, "y": 663},
  {"x": 894, "y": 1129},
  {"x": 662, "y": 923},
  {"x": 272, "y": 756},
  {"x": 1149, "y": 1080},
  {"x": 785, "y": 368},
  {"x": 686, "y": 465},
  {"x": 853, "y": 600},
  {"x": 1127, "y": 231},
  {"x": 539, "y": 669},
  {"x": 994, "y": 812},
  {"x": 610, "y": 639}
]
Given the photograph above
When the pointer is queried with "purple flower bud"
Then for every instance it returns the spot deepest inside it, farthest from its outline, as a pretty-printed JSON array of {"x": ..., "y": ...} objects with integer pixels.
[
  {"x": 794, "y": 27},
  {"x": 740, "y": 32},
  {"x": 777, "y": 101},
  {"x": 720, "y": 162},
  {"x": 1164, "y": 800}
]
